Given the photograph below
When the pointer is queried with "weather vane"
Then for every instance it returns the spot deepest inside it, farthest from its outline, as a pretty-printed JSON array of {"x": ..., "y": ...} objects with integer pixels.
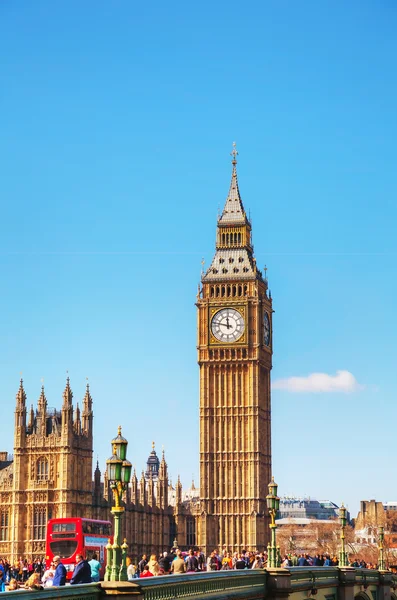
[
  {"x": 234, "y": 153},
  {"x": 202, "y": 265}
]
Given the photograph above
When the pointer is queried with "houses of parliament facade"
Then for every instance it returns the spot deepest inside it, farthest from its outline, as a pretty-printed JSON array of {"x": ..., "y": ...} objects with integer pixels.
[{"x": 50, "y": 473}]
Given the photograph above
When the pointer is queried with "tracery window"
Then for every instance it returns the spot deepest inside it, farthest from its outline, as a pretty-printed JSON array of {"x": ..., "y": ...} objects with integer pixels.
[
  {"x": 191, "y": 532},
  {"x": 4, "y": 524},
  {"x": 42, "y": 469},
  {"x": 39, "y": 522}
]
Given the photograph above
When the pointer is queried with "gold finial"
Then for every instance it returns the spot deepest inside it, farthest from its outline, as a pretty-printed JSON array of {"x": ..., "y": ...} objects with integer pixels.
[
  {"x": 153, "y": 445},
  {"x": 119, "y": 430},
  {"x": 234, "y": 153}
]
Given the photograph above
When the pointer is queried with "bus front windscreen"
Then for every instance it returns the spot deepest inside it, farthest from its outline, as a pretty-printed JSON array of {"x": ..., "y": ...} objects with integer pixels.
[{"x": 63, "y": 548}]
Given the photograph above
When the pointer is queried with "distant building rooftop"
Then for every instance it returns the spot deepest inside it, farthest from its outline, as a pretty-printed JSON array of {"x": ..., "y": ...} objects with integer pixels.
[{"x": 307, "y": 508}]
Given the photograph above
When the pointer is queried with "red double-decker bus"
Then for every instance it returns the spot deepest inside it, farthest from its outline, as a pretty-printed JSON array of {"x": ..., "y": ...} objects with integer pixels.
[{"x": 70, "y": 536}]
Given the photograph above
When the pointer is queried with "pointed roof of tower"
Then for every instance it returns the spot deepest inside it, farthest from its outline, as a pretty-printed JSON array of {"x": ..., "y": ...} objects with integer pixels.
[
  {"x": 163, "y": 466},
  {"x": 42, "y": 398},
  {"x": 21, "y": 395},
  {"x": 233, "y": 259},
  {"x": 77, "y": 412},
  {"x": 233, "y": 211},
  {"x": 87, "y": 400},
  {"x": 31, "y": 417},
  {"x": 67, "y": 395}
]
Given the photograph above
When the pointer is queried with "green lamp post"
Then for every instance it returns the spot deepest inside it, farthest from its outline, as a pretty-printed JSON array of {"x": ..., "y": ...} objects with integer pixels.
[
  {"x": 273, "y": 504},
  {"x": 343, "y": 559},
  {"x": 118, "y": 470},
  {"x": 381, "y": 549}
]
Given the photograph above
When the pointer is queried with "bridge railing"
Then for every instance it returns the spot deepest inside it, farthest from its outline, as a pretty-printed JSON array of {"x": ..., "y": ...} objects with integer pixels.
[
  {"x": 241, "y": 584},
  {"x": 87, "y": 591},
  {"x": 307, "y": 578},
  {"x": 268, "y": 584}
]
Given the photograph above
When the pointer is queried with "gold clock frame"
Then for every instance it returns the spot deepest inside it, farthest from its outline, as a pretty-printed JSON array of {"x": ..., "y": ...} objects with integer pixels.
[{"x": 242, "y": 341}]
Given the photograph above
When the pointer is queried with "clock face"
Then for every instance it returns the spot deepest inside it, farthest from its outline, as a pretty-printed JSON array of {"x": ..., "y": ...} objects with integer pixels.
[
  {"x": 227, "y": 325},
  {"x": 266, "y": 329}
]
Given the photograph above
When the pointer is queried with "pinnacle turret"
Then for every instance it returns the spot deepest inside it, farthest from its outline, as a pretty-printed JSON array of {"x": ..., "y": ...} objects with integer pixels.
[
  {"x": 87, "y": 401},
  {"x": 31, "y": 419},
  {"x": 163, "y": 473},
  {"x": 20, "y": 415},
  {"x": 67, "y": 395},
  {"x": 178, "y": 491},
  {"x": 42, "y": 402},
  {"x": 77, "y": 420},
  {"x": 87, "y": 414},
  {"x": 67, "y": 406},
  {"x": 21, "y": 396}
]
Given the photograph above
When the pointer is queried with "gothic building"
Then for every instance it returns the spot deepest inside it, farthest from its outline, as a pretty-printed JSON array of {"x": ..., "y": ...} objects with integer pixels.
[{"x": 50, "y": 473}]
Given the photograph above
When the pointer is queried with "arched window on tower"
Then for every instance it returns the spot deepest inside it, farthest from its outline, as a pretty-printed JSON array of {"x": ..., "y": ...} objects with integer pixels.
[
  {"x": 190, "y": 532},
  {"x": 4, "y": 524},
  {"x": 42, "y": 469},
  {"x": 39, "y": 522}
]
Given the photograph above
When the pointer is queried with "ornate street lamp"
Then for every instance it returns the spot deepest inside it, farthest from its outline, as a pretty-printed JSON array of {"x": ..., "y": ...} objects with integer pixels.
[
  {"x": 273, "y": 504},
  {"x": 118, "y": 470},
  {"x": 343, "y": 558},
  {"x": 381, "y": 554}
]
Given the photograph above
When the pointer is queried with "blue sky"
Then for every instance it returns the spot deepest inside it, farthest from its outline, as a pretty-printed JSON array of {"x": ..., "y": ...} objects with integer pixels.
[{"x": 117, "y": 120}]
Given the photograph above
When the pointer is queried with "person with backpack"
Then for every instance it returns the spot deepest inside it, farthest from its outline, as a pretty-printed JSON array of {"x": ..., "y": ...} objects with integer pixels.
[{"x": 191, "y": 562}]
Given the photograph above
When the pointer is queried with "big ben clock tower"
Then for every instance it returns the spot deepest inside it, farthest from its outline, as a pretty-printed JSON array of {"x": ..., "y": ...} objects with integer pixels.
[{"x": 235, "y": 359}]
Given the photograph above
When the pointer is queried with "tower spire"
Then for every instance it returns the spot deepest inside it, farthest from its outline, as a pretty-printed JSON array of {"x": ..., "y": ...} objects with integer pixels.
[
  {"x": 20, "y": 414},
  {"x": 234, "y": 259},
  {"x": 234, "y": 154},
  {"x": 67, "y": 395},
  {"x": 233, "y": 211},
  {"x": 21, "y": 396},
  {"x": 87, "y": 414}
]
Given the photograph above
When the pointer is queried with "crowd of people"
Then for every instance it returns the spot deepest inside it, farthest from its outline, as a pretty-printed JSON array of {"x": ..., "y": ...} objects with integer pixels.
[
  {"x": 321, "y": 560},
  {"x": 34, "y": 575},
  {"x": 194, "y": 561}
]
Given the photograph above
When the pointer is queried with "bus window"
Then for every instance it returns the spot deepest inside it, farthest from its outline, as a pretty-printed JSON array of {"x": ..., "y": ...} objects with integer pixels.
[
  {"x": 64, "y": 548},
  {"x": 63, "y": 527}
]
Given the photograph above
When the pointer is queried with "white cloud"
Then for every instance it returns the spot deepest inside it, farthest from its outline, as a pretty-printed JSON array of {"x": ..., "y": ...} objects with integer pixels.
[{"x": 343, "y": 381}]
